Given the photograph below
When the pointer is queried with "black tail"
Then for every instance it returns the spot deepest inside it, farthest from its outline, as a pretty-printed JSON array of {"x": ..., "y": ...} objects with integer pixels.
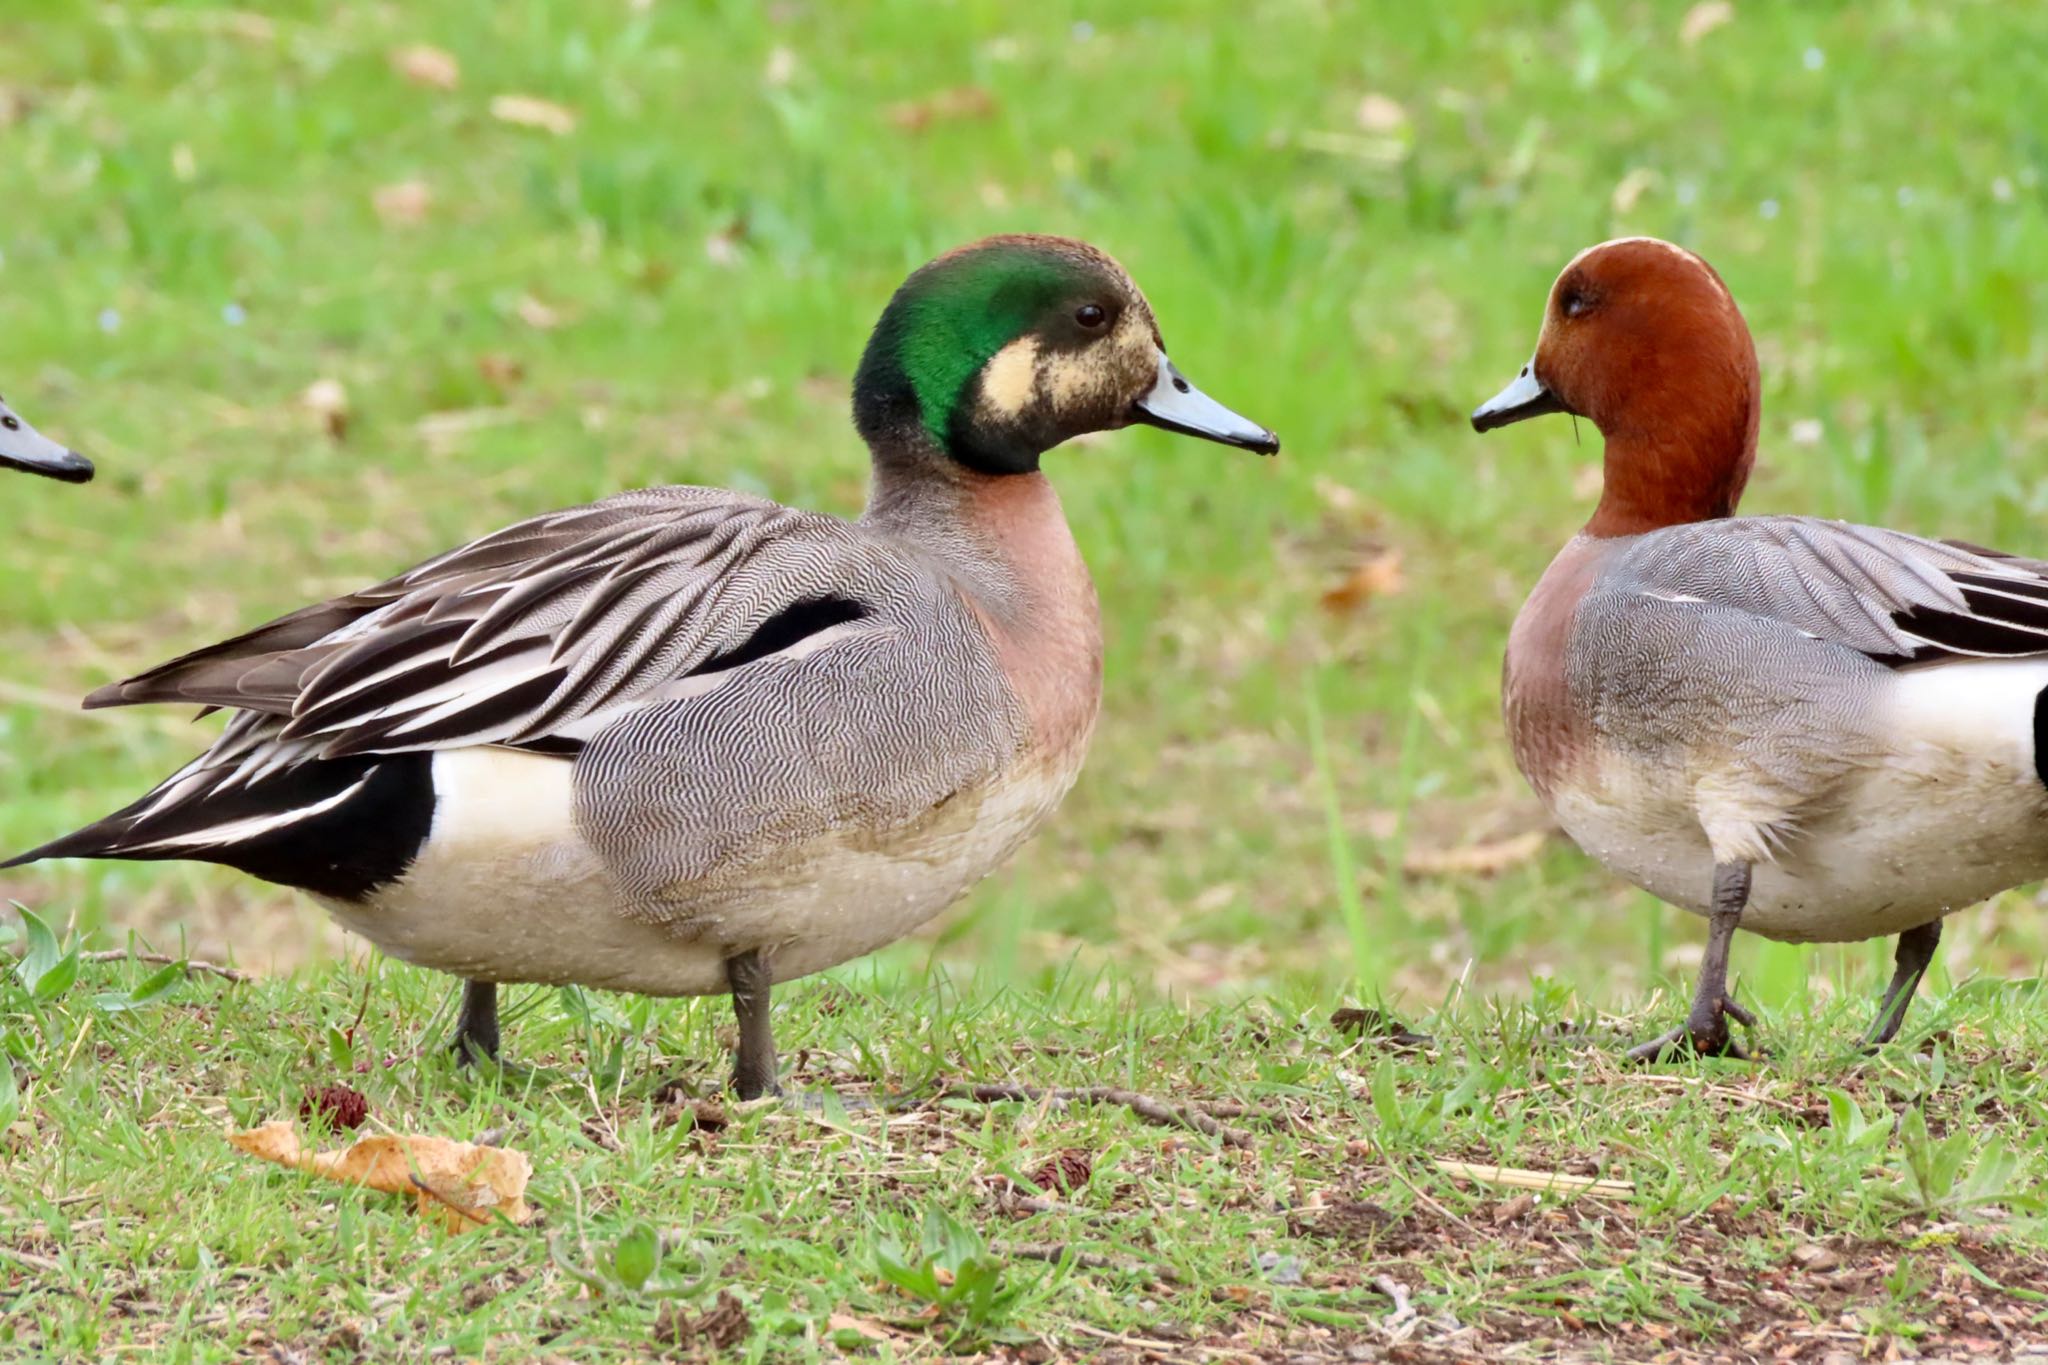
[{"x": 335, "y": 827}]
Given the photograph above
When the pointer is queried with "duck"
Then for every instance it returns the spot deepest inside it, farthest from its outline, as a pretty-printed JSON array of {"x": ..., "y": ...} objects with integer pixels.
[
  {"x": 24, "y": 448},
  {"x": 1802, "y": 728},
  {"x": 688, "y": 741}
]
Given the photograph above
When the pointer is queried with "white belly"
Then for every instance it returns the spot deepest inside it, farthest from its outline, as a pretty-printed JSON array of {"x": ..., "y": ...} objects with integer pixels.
[
  {"x": 1947, "y": 811},
  {"x": 506, "y": 890}
]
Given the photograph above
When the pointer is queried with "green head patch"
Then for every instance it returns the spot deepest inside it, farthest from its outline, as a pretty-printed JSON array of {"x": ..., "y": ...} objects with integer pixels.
[{"x": 927, "y": 360}]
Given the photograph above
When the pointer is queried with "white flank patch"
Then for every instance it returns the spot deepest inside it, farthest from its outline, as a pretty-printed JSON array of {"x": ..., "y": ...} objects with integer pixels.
[
  {"x": 1981, "y": 708},
  {"x": 501, "y": 800}
]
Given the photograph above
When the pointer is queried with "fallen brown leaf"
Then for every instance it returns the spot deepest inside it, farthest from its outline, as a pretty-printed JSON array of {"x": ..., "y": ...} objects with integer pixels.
[
  {"x": 1381, "y": 114},
  {"x": 1473, "y": 860},
  {"x": 403, "y": 204},
  {"x": 341, "y": 1106},
  {"x": 423, "y": 64},
  {"x": 960, "y": 102},
  {"x": 500, "y": 371},
  {"x": 468, "y": 1182},
  {"x": 525, "y": 111},
  {"x": 327, "y": 400},
  {"x": 538, "y": 315},
  {"x": 1703, "y": 19},
  {"x": 866, "y": 1327},
  {"x": 1377, "y": 575},
  {"x": 720, "y": 1327}
]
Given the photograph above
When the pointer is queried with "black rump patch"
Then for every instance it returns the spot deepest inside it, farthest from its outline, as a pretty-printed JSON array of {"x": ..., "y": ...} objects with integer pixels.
[
  {"x": 2041, "y": 736},
  {"x": 346, "y": 851},
  {"x": 797, "y": 621}
]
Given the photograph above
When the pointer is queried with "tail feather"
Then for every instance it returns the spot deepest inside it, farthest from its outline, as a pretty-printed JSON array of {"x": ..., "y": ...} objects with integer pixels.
[{"x": 335, "y": 827}]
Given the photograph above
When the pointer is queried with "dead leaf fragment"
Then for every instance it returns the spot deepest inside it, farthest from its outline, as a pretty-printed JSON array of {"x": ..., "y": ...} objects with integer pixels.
[
  {"x": 1813, "y": 1256},
  {"x": 1632, "y": 188},
  {"x": 502, "y": 372},
  {"x": 1474, "y": 860},
  {"x": 424, "y": 64},
  {"x": 1377, "y": 575},
  {"x": 340, "y": 1106},
  {"x": 403, "y": 204},
  {"x": 865, "y": 1327},
  {"x": 720, "y": 1327},
  {"x": 526, "y": 111},
  {"x": 960, "y": 102},
  {"x": 538, "y": 315},
  {"x": 1381, "y": 114},
  {"x": 470, "y": 1183},
  {"x": 327, "y": 400},
  {"x": 1703, "y": 19}
]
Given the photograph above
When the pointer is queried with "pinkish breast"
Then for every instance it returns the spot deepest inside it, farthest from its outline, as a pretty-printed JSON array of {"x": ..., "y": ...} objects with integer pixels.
[
  {"x": 1550, "y": 735},
  {"x": 1047, "y": 628}
]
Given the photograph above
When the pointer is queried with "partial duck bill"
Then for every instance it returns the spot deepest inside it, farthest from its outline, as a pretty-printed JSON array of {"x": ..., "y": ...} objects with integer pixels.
[
  {"x": 1177, "y": 405},
  {"x": 1524, "y": 397},
  {"x": 23, "y": 447}
]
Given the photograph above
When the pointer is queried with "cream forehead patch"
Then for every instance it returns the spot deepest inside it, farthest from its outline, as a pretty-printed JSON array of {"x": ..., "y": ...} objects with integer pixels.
[
  {"x": 1010, "y": 377},
  {"x": 1670, "y": 247}
]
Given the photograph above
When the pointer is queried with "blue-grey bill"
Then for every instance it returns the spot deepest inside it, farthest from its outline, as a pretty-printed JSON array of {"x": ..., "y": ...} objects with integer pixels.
[
  {"x": 23, "y": 447},
  {"x": 1525, "y": 396},
  {"x": 1177, "y": 405}
]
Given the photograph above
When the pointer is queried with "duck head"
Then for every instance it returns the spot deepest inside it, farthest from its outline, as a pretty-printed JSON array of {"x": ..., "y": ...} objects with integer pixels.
[
  {"x": 23, "y": 447},
  {"x": 1643, "y": 339},
  {"x": 994, "y": 353}
]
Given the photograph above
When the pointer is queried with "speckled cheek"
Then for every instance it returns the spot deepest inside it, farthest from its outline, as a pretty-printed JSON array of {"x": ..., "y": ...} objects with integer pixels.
[{"x": 1083, "y": 380}]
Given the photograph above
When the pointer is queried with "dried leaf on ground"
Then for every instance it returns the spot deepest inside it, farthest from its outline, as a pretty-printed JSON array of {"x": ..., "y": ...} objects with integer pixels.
[
  {"x": 1377, "y": 575},
  {"x": 537, "y": 315},
  {"x": 469, "y": 1183},
  {"x": 327, "y": 400},
  {"x": 1381, "y": 114},
  {"x": 339, "y": 1105},
  {"x": 403, "y": 204},
  {"x": 960, "y": 102},
  {"x": 525, "y": 111},
  {"x": 720, "y": 1327},
  {"x": 1703, "y": 19},
  {"x": 864, "y": 1327},
  {"x": 424, "y": 64},
  {"x": 1473, "y": 860}
]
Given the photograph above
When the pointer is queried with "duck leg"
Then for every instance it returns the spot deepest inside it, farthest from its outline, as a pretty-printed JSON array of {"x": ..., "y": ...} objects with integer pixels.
[
  {"x": 476, "y": 1025},
  {"x": 753, "y": 1063},
  {"x": 1916, "y": 950},
  {"x": 1705, "y": 1030}
]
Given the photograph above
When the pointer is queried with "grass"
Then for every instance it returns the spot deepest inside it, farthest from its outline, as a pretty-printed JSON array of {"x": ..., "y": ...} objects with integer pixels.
[{"x": 675, "y": 290}]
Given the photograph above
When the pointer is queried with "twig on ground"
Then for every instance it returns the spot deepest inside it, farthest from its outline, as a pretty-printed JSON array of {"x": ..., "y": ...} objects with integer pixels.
[
  {"x": 29, "y": 1259},
  {"x": 1404, "y": 1310},
  {"x": 164, "y": 960},
  {"x": 1056, "y": 1252},
  {"x": 1146, "y": 1107},
  {"x": 1519, "y": 1178}
]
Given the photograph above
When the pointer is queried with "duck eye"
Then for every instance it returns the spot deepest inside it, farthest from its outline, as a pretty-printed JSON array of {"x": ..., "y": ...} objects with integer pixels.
[
  {"x": 1576, "y": 304},
  {"x": 1091, "y": 315},
  {"x": 11, "y": 422}
]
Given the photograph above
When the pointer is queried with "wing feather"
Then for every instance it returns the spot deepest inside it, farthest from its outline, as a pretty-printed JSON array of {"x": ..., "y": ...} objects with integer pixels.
[{"x": 1900, "y": 599}]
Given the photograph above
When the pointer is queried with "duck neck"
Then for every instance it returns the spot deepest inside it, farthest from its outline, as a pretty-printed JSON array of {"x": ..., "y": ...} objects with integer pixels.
[
  {"x": 1004, "y": 535},
  {"x": 1688, "y": 462}
]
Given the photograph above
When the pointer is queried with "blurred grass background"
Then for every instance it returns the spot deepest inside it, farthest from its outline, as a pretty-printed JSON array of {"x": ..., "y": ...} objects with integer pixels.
[{"x": 660, "y": 267}]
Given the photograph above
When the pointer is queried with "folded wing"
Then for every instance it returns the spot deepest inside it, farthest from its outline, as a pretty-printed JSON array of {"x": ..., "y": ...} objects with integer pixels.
[{"x": 1900, "y": 599}]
